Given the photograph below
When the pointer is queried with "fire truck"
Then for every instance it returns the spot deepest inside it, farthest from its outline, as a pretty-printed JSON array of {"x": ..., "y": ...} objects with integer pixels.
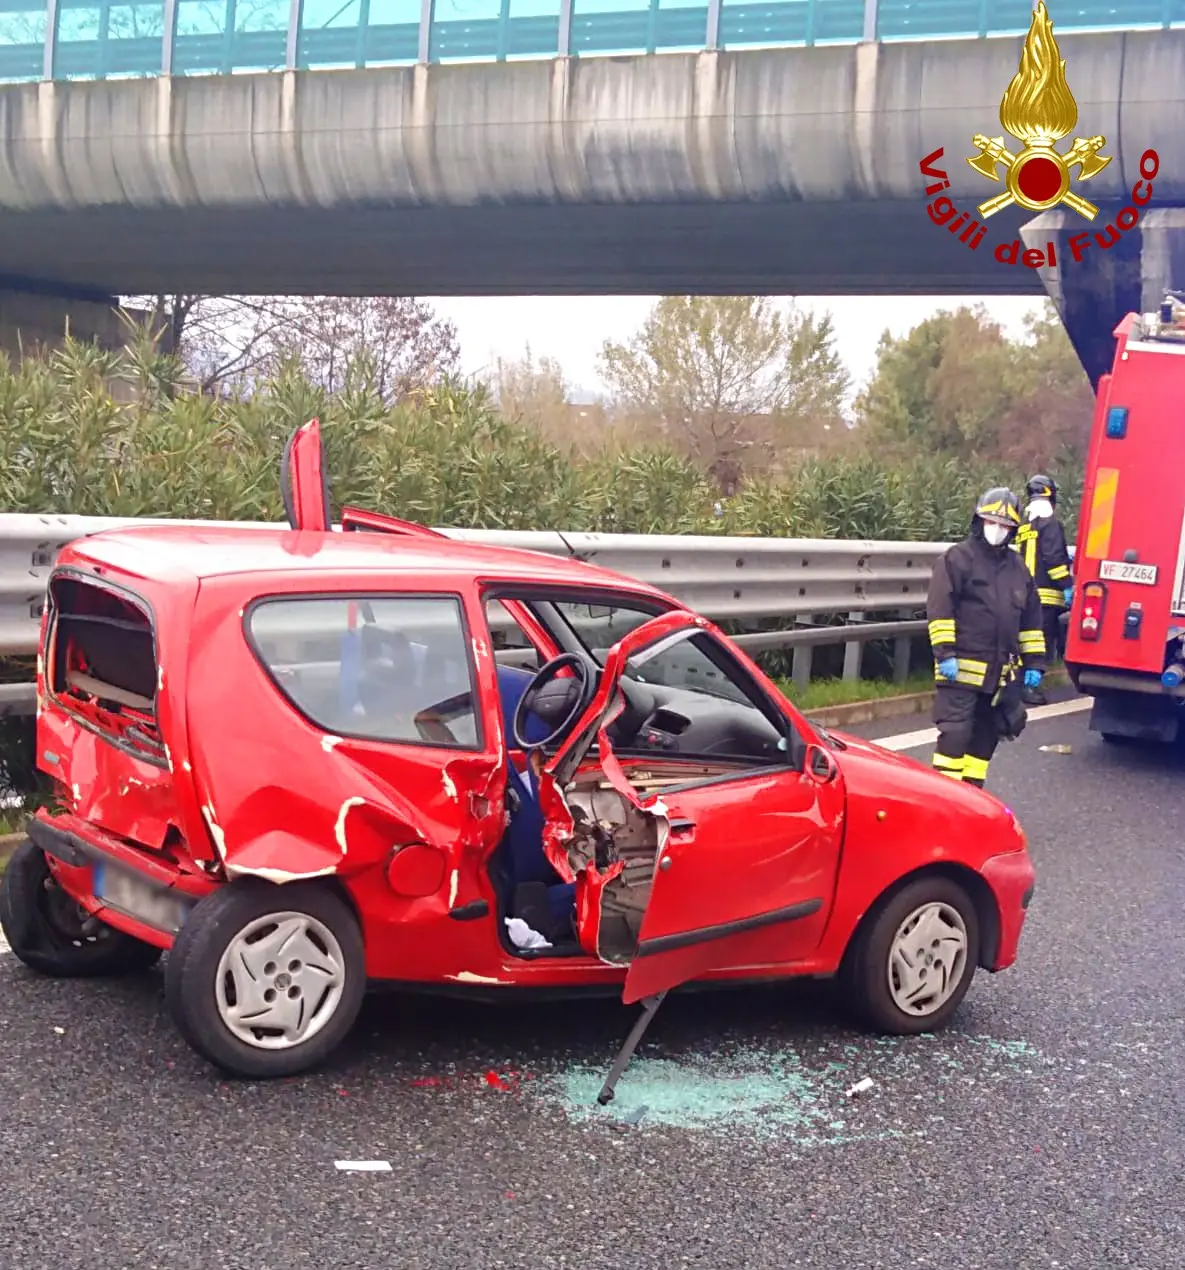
[{"x": 1124, "y": 643}]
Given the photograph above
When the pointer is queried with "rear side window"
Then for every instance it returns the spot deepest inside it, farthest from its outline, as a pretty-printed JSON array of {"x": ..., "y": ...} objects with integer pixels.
[
  {"x": 387, "y": 669},
  {"x": 102, "y": 662}
]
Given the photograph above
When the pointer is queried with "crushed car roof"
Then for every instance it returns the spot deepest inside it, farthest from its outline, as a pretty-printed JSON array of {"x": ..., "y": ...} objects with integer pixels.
[{"x": 176, "y": 551}]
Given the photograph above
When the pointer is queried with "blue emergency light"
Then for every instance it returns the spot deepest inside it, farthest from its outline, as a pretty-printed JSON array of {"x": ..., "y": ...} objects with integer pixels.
[{"x": 1117, "y": 423}]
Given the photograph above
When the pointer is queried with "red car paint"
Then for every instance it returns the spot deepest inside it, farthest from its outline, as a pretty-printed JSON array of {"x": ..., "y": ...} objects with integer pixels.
[
  {"x": 757, "y": 873},
  {"x": 1011, "y": 877}
]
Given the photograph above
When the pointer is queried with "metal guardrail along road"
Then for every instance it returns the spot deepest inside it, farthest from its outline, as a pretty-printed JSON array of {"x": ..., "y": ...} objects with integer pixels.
[{"x": 745, "y": 580}]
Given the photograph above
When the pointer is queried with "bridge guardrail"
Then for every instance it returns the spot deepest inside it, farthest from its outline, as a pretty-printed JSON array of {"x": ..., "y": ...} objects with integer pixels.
[
  {"x": 291, "y": 38},
  {"x": 737, "y": 579}
]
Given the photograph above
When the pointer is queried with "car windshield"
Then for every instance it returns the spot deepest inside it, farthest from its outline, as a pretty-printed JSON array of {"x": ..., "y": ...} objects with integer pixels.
[{"x": 684, "y": 663}]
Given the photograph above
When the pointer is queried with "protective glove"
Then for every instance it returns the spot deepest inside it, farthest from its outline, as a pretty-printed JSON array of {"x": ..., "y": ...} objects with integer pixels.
[
  {"x": 948, "y": 668},
  {"x": 1032, "y": 678},
  {"x": 1069, "y": 596}
]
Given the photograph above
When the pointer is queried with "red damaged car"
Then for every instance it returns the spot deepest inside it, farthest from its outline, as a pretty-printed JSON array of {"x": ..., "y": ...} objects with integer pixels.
[{"x": 304, "y": 759}]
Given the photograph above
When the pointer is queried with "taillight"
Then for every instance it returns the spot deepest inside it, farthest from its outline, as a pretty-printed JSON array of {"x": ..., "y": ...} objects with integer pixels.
[{"x": 1094, "y": 599}]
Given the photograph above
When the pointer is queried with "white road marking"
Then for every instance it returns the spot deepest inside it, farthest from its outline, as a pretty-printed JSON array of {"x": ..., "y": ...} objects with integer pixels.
[
  {"x": 927, "y": 736},
  {"x": 363, "y": 1166}
]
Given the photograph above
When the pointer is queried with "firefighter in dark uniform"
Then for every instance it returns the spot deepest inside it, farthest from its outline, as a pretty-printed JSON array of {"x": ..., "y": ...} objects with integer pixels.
[
  {"x": 985, "y": 629},
  {"x": 1041, "y": 541}
]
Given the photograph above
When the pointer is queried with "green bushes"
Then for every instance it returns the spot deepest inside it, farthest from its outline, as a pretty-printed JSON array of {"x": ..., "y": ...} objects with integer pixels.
[
  {"x": 92, "y": 433},
  {"x": 87, "y": 432}
]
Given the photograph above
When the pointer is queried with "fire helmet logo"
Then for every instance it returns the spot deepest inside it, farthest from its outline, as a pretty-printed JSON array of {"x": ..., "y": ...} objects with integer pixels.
[{"x": 1039, "y": 110}]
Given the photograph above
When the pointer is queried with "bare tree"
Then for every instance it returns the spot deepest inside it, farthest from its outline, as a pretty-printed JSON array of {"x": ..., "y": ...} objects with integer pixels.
[
  {"x": 728, "y": 378},
  {"x": 222, "y": 340},
  {"x": 228, "y": 341},
  {"x": 535, "y": 392},
  {"x": 410, "y": 346}
]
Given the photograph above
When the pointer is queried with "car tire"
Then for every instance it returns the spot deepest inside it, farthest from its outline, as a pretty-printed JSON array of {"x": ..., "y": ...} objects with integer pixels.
[
  {"x": 875, "y": 980},
  {"x": 319, "y": 966},
  {"x": 50, "y": 933}
]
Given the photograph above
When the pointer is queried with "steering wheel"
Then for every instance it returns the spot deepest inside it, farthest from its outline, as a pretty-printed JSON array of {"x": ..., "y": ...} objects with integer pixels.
[{"x": 557, "y": 702}]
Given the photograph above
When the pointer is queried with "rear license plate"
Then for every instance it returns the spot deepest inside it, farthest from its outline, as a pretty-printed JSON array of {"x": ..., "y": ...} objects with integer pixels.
[
  {"x": 131, "y": 894},
  {"x": 1121, "y": 571}
]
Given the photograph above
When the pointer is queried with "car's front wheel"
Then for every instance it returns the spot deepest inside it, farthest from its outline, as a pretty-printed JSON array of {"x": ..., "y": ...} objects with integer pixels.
[
  {"x": 51, "y": 933},
  {"x": 266, "y": 980},
  {"x": 914, "y": 958}
]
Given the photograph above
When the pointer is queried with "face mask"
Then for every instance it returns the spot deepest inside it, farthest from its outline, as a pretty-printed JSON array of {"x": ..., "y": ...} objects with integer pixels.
[{"x": 995, "y": 535}]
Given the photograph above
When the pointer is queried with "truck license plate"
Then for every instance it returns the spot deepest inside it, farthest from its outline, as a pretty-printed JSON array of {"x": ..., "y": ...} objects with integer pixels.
[{"x": 1121, "y": 571}]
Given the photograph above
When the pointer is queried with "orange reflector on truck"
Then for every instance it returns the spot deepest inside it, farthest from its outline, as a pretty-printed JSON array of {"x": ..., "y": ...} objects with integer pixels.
[{"x": 1102, "y": 513}]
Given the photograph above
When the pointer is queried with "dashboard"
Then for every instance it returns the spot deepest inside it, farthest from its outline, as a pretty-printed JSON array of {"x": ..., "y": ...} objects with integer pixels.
[{"x": 678, "y": 721}]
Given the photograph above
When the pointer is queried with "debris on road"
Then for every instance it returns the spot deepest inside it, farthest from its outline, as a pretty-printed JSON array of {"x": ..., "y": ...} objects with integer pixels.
[
  {"x": 507, "y": 1081},
  {"x": 363, "y": 1166},
  {"x": 1056, "y": 749},
  {"x": 860, "y": 1087}
]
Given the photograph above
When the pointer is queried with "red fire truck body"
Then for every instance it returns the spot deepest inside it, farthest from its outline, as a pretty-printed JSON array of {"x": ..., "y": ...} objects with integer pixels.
[{"x": 1124, "y": 642}]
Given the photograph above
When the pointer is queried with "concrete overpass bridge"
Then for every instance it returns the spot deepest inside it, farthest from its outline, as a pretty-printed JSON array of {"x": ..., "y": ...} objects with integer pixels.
[{"x": 439, "y": 147}]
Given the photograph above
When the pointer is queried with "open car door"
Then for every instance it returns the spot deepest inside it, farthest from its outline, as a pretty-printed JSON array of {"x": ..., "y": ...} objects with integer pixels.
[
  {"x": 304, "y": 488},
  {"x": 747, "y": 861},
  {"x": 303, "y": 485},
  {"x": 747, "y": 858}
]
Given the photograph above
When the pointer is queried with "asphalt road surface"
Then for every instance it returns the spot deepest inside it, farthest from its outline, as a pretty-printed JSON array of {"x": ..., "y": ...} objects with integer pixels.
[{"x": 1044, "y": 1130}]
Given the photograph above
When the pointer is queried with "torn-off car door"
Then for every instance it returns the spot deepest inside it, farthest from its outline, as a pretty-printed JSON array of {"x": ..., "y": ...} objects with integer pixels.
[
  {"x": 303, "y": 485},
  {"x": 731, "y": 872}
]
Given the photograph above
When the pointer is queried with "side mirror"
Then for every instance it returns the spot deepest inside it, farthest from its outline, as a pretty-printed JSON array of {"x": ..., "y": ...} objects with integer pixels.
[{"x": 820, "y": 764}]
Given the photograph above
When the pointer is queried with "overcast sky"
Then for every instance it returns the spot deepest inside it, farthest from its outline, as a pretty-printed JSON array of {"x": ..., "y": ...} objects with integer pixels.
[{"x": 572, "y": 329}]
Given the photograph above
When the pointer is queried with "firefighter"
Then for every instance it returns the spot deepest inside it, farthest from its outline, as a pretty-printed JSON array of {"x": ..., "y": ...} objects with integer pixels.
[
  {"x": 1041, "y": 541},
  {"x": 985, "y": 628}
]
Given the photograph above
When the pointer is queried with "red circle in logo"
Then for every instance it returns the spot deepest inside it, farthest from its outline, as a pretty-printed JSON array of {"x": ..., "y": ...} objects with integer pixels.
[{"x": 1040, "y": 179}]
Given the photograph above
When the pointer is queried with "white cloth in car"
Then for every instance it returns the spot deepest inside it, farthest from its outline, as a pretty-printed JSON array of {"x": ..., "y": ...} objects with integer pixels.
[{"x": 522, "y": 936}]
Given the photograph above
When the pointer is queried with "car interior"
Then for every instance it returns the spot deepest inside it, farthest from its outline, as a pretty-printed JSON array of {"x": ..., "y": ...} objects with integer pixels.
[
  {"x": 688, "y": 709},
  {"x": 688, "y": 712}
]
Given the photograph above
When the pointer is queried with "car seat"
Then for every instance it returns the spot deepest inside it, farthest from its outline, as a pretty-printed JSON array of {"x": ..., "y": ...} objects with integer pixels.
[
  {"x": 533, "y": 890},
  {"x": 379, "y": 672},
  {"x": 512, "y": 683}
]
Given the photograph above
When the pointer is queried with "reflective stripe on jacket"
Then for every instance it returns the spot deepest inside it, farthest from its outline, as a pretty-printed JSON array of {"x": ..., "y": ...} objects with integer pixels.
[
  {"x": 1041, "y": 544},
  {"x": 983, "y": 610}
]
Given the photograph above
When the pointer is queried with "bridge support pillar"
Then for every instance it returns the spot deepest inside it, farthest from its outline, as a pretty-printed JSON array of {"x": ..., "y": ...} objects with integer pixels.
[
  {"x": 29, "y": 319},
  {"x": 1093, "y": 287}
]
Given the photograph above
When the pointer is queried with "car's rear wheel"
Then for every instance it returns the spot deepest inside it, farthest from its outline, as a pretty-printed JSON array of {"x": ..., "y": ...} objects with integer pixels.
[
  {"x": 266, "y": 980},
  {"x": 52, "y": 934},
  {"x": 914, "y": 958}
]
